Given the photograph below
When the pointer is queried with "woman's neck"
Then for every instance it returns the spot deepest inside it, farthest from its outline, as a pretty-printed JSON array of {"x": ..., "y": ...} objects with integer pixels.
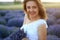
[{"x": 34, "y": 18}]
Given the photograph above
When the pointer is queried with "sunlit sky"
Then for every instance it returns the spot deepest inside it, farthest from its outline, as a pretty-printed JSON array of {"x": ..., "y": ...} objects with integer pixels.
[{"x": 22, "y": 0}]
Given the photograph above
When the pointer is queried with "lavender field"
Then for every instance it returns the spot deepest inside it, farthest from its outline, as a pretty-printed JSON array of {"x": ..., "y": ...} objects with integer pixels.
[{"x": 53, "y": 30}]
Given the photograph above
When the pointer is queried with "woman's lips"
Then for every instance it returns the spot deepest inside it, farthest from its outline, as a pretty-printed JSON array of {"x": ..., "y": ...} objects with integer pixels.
[{"x": 32, "y": 13}]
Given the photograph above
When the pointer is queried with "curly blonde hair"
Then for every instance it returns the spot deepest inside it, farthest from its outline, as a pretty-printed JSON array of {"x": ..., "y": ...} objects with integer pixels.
[{"x": 42, "y": 11}]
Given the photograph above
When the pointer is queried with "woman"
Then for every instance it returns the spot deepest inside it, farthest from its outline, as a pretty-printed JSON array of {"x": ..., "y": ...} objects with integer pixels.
[{"x": 35, "y": 20}]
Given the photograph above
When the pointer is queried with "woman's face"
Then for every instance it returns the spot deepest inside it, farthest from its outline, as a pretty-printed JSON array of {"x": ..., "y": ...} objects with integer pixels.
[{"x": 32, "y": 9}]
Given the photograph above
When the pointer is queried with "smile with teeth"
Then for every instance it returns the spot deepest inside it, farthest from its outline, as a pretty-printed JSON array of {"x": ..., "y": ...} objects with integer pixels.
[{"x": 32, "y": 13}]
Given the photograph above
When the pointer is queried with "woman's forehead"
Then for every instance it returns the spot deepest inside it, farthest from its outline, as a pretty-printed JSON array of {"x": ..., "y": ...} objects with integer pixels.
[{"x": 31, "y": 3}]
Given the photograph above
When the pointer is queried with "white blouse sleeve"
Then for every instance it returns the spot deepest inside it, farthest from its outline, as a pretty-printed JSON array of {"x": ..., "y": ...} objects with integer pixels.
[{"x": 43, "y": 22}]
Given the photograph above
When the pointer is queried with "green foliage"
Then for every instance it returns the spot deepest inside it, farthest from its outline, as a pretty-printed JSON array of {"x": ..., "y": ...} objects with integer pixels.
[
  {"x": 18, "y": 5},
  {"x": 17, "y": 2},
  {"x": 11, "y": 6}
]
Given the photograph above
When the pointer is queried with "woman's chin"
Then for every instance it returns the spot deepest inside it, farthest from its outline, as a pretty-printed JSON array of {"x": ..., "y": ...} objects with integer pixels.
[{"x": 32, "y": 16}]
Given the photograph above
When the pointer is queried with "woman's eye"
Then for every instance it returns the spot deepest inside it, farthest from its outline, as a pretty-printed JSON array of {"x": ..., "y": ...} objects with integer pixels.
[
  {"x": 28, "y": 7},
  {"x": 34, "y": 7}
]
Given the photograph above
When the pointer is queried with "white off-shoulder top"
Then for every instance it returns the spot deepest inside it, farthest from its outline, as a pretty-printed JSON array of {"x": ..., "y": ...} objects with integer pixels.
[{"x": 31, "y": 29}]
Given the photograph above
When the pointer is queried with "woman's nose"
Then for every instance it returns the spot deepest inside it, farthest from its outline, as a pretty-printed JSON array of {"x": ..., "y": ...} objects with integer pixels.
[{"x": 31, "y": 9}]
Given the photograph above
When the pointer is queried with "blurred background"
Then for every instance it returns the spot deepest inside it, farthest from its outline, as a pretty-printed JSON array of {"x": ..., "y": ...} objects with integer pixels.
[{"x": 12, "y": 16}]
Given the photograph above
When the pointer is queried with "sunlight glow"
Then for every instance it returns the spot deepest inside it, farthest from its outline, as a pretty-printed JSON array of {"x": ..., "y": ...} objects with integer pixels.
[
  {"x": 50, "y": 0},
  {"x": 6, "y": 0}
]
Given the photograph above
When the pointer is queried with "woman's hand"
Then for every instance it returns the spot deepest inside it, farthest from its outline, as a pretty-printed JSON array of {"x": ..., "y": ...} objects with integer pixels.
[
  {"x": 26, "y": 19},
  {"x": 24, "y": 39}
]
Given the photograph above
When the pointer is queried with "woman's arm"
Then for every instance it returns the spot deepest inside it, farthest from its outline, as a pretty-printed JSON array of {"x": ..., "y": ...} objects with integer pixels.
[
  {"x": 42, "y": 32},
  {"x": 25, "y": 22}
]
